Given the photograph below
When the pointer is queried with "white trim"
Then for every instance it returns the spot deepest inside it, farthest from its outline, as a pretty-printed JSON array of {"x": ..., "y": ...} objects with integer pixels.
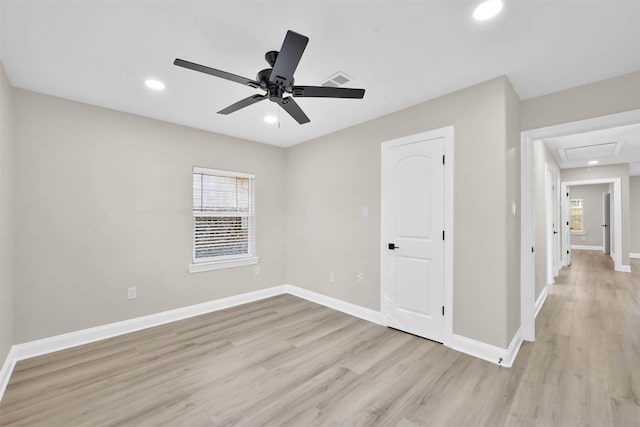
[
  {"x": 527, "y": 240},
  {"x": 448, "y": 133},
  {"x": 587, "y": 248},
  {"x": 541, "y": 299},
  {"x": 527, "y": 259},
  {"x": 220, "y": 172},
  {"x": 365, "y": 313},
  {"x": 634, "y": 254},
  {"x": 491, "y": 353},
  {"x": 217, "y": 265},
  {"x": 86, "y": 336},
  {"x": 7, "y": 369},
  {"x": 624, "y": 268}
]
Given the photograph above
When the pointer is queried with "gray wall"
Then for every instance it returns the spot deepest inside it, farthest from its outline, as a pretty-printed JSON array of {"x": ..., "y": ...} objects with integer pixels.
[
  {"x": 591, "y": 213},
  {"x": 104, "y": 203},
  {"x": 634, "y": 211},
  {"x": 513, "y": 221},
  {"x": 121, "y": 180},
  {"x": 542, "y": 157},
  {"x": 610, "y": 171},
  {"x": 6, "y": 217},
  {"x": 330, "y": 178},
  {"x": 597, "y": 99}
]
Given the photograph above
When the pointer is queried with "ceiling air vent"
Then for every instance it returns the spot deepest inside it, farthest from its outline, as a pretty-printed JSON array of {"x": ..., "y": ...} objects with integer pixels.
[{"x": 337, "y": 80}]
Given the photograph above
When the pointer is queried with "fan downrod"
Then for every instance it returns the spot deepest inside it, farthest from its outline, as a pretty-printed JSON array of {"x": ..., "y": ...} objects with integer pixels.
[{"x": 271, "y": 57}]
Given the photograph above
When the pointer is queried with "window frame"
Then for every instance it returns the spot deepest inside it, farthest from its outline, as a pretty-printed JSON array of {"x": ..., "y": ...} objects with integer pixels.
[
  {"x": 224, "y": 261},
  {"x": 574, "y": 231}
]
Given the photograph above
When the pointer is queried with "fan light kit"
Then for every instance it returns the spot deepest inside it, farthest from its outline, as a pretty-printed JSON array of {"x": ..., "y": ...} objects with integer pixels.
[
  {"x": 593, "y": 162},
  {"x": 154, "y": 84},
  {"x": 487, "y": 10},
  {"x": 270, "y": 119},
  {"x": 277, "y": 81}
]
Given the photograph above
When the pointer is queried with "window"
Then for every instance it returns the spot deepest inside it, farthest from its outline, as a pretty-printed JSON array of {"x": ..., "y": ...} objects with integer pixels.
[
  {"x": 223, "y": 219},
  {"x": 576, "y": 216}
]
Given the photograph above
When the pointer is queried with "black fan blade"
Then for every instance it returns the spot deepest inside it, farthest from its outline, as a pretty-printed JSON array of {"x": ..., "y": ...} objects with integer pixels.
[
  {"x": 327, "y": 92},
  {"x": 243, "y": 103},
  {"x": 217, "y": 73},
  {"x": 288, "y": 59},
  {"x": 294, "y": 110}
]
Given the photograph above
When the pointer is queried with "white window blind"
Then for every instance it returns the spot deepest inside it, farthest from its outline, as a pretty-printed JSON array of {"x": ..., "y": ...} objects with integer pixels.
[{"x": 223, "y": 215}]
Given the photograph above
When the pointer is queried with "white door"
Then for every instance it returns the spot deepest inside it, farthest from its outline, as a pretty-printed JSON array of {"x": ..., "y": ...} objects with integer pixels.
[
  {"x": 606, "y": 223},
  {"x": 413, "y": 233},
  {"x": 566, "y": 226},
  {"x": 555, "y": 224},
  {"x": 551, "y": 226}
]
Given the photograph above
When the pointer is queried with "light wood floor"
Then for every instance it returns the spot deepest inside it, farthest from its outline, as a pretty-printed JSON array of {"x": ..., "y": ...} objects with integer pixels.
[{"x": 286, "y": 361}]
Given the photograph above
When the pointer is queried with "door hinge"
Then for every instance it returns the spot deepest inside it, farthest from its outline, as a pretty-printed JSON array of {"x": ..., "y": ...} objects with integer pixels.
[
  {"x": 443, "y": 159},
  {"x": 442, "y": 234},
  {"x": 567, "y": 222},
  {"x": 443, "y": 310},
  {"x": 531, "y": 249},
  {"x": 567, "y": 252},
  {"x": 567, "y": 194}
]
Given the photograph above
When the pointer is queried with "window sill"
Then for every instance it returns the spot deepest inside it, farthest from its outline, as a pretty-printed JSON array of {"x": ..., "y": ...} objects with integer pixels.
[{"x": 217, "y": 265}]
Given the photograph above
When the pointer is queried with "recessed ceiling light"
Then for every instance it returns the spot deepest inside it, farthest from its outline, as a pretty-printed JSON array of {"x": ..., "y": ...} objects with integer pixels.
[
  {"x": 487, "y": 10},
  {"x": 154, "y": 84},
  {"x": 270, "y": 119},
  {"x": 593, "y": 162}
]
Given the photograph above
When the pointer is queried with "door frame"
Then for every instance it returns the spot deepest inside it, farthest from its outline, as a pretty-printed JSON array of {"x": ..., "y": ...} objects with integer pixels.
[
  {"x": 527, "y": 224},
  {"x": 617, "y": 211},
  {"x": 448, "y": 134}
]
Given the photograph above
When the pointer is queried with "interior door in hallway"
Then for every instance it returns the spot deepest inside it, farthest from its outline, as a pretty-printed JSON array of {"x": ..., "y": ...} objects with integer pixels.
[
  {"x": 606, "y": 223},
  {"x": 413, "y": 233},
  {"x": 566, "y": 226}
]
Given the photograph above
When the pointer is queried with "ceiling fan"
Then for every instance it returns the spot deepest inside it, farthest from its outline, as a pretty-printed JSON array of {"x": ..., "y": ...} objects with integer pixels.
[{"x": 278, "y": 80}]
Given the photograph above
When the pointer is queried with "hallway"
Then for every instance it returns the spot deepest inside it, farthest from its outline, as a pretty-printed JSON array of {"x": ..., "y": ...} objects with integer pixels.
[{"x": 584, "y": 367}]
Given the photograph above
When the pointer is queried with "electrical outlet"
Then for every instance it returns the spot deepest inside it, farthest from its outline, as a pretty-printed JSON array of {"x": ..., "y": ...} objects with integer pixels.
[
  {"x": 364, "y": 211},
  {"x": 332, "y": 277},
  {"x": 360, "y": 278},
  {"x": 132, "y": 293},
  {"x": 256, "y": 270}
]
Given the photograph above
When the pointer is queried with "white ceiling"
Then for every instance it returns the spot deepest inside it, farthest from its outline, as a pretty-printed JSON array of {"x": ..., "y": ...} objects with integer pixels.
[
  {"x": 608, "y": 146},
  {"x": 402, "y": 52}
]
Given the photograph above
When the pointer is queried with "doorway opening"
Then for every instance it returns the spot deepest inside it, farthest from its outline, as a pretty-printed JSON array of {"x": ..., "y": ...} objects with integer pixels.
[{"x": 528, "y": 218}]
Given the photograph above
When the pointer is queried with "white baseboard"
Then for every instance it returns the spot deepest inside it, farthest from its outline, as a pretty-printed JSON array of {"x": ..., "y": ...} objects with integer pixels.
[
  {"x": 7, "y": 369},
  {"x": 587, "y": 248},
  {"x": 541, "y": 299},
  {"x": 623, "y": 268},
  {"x": 634, "y": 254},
  {"x": 497, "y": 355},
  {"x": 490, "y": 353},
  {"x": 373, "y": 316},
  {"x": 86, "y": 336}
]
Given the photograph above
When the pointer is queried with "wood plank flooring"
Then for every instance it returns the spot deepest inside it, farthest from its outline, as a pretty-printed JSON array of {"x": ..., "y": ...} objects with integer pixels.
[{"x": 287, "y": 361}]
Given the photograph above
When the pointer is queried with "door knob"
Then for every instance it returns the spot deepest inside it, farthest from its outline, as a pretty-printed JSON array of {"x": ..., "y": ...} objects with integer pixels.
[{"x": 392, "y": 246}]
